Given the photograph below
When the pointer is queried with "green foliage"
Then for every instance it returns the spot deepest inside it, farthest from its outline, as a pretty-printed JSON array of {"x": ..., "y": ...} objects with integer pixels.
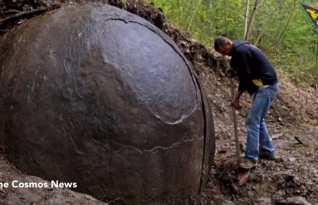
[{"x": 280, "y": 28}]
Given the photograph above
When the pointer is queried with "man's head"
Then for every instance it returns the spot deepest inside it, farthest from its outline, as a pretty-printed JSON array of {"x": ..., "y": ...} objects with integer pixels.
[{"x": 223, "y": 45}]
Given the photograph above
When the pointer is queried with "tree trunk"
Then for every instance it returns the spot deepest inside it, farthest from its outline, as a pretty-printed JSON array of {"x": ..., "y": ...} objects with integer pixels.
[
  {"x": 251, "y": 19},
  {"x": 290, "y": 17},
  {"x": 247, "y": 9},
  {"x": 259, "y": 37}
]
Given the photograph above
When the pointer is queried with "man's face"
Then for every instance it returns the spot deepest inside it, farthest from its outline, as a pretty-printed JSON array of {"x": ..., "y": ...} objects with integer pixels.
[{"x": 226, "y": 49}]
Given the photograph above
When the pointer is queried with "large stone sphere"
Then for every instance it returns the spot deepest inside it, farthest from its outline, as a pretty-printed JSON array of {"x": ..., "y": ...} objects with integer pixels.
[{"x": 98, "y": 96}]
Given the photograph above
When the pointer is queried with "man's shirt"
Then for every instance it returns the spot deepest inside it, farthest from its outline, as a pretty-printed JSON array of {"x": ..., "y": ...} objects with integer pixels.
[{"x": 252, "y": 66}]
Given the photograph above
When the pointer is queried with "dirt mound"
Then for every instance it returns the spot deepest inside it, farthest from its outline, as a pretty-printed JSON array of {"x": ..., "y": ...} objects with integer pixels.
[
  {"x": 9, "y": 7},
  {"x": 294, "y": 134}
]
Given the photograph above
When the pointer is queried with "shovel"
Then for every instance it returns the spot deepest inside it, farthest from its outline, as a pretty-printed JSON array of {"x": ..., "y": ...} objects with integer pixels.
[
  {"x": 234, "y": 117},
  {"x": 242, "y": 173}
]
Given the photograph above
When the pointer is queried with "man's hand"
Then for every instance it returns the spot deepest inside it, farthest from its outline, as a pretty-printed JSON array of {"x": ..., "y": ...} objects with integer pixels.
[
  {"x": 236, "y": 101},
  {"x": 231, "y": 73}
]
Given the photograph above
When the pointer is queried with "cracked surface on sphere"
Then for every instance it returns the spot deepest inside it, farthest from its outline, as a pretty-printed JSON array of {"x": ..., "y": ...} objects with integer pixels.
[{"x": 95, "y": 95}]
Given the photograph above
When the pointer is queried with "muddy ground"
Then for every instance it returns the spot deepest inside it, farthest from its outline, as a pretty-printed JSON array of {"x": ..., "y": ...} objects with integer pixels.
[
  {"x": 294, "y": 134},
  {"x": 293, "y": 123}
]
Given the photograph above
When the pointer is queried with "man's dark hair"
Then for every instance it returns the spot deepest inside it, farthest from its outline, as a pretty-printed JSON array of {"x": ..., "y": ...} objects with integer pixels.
[{"x": 219, "y": 42}]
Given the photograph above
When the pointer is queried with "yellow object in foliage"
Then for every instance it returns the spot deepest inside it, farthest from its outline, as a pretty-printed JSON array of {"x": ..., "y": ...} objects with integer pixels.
[
  {"x": 258, "y": 83},
  {"x": 313, "y": 14}
]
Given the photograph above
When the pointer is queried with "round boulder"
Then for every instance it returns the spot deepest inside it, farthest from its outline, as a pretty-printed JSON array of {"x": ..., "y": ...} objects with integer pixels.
[{"x": 95, "y": 95}]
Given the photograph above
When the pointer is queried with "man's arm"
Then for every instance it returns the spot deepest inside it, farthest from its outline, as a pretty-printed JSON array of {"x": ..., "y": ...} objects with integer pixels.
[
  {"x": 243, "y": 63},
  {"x": 242, "y": 86}
]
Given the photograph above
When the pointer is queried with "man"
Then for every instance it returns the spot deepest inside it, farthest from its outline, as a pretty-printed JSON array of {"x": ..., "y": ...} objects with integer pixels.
[{"x": 258, "y": 77}]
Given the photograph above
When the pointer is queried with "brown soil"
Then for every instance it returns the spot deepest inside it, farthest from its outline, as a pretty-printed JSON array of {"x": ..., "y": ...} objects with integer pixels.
[
  {"x": 294, "y": 128},
  {"x": 293, "y": 122}
]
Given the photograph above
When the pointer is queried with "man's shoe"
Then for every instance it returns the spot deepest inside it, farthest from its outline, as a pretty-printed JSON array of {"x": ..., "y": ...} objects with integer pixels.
[
  {"x": 248, "y": 164},
  {"x": 268, "y": 156}
]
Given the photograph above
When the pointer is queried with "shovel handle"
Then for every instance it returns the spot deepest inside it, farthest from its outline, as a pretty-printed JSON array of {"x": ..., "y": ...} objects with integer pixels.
[{"x": 234, "y": 117}]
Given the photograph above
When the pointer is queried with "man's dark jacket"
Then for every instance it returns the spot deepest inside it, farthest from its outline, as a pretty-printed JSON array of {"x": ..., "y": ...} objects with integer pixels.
[{"x": 251, "y": 64}]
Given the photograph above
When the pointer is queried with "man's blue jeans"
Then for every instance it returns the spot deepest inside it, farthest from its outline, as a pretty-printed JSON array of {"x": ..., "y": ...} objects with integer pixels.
[{"x": 258, "y": 138}]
